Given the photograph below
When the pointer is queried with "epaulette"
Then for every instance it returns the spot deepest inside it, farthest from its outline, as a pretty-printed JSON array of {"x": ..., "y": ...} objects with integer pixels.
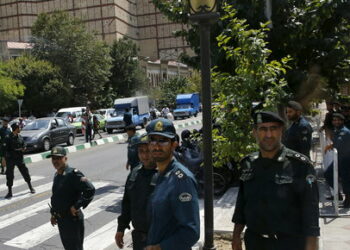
[
  {"x": 252, "y": 157},
  {"x": 134, "y": 173},
  {"x": 180, "y": 174},
  {"x": 298, "y": 156}
]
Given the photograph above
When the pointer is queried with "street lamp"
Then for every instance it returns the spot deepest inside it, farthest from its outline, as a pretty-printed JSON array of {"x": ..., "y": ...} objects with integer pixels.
[{"x": 203, "y": 12}]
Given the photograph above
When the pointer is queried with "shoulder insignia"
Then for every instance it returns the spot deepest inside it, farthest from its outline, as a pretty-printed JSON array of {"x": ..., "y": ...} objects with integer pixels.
[
  {"x": 185, "y": 197},
  {"x": 310, "y": 179},
  {"x": 299, "y": 157},
  {"x": 179, "y": 174},
  {"x": 76, "y": 170}
]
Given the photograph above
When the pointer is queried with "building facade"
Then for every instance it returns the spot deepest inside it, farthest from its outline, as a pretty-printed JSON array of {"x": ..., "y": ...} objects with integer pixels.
[{"x": 138, "y": 20}]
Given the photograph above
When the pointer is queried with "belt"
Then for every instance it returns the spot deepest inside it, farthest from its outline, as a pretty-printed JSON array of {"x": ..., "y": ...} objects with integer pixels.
[{"x": 269, "y": 236}]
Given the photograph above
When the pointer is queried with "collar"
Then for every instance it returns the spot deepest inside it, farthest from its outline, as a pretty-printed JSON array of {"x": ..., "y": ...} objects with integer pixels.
[
  {"x": 280, "y": 155},
  {"x": 168, "y": 169}
]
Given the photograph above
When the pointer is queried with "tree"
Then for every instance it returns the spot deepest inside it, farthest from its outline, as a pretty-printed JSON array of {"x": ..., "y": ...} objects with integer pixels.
[
  {"x": 44, "y": 88},
  {"x": 10, "y": 91},
  {"x": 256, "y": 79},
  {"x": 127, "y": 76},
  {"x": 83, "y": 60},
  {"x": 314, "y": 33}
]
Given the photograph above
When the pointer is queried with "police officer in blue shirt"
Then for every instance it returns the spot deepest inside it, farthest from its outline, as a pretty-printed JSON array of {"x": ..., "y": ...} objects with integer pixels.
[
  {"x": 341, "y": 141},
  {"x": 278, "y": 195},
  {"x": 298, "y": 135},
  {"x": 4, "y": 131},
  {"x": 133, "y": 158},
  {"x": 173, "y": 207},
  {"x": 138, "y": 188}
]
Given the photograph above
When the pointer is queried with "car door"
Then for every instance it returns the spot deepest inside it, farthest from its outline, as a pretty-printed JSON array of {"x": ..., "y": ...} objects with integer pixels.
[
  {"x": 63, "y": 131},
  {"x": 54, "y": 132}
]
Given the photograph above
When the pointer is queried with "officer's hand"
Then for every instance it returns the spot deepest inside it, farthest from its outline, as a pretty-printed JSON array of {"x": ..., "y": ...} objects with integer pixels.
[
  {"x": 119, "y": 239},
  {"x": 236, "y": 243},
  {"x": 74, "y": 211},
  {"x": 153, "y": 247},
  {"x": 53, "y": 221}
]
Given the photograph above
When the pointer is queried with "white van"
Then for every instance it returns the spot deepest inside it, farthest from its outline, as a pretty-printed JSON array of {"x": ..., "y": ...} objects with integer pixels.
[{"x": 74, "y": 112}]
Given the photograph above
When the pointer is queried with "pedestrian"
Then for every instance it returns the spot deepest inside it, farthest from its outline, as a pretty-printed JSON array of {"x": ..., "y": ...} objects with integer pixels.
[
  {"x": 71, "y": 191},
  {"x": 88, "y": 124},
  {"x": 133, "y": 158},
  {"x": 165, "y": 112},
  {"x": 14, "y": 148},
  {"x": 341, "y": 141},
  {"x": 127, "y": 118},
  {"x": 4, "y": 131},
  {"x": 298, "y": 135},
  {"x": 96, "y": 126},
  {"x": 173, "y": 208},
  {"x": 138, "y": 188},
  {"x": 327, "y": 123},
  {"x": 278, "y": 195}
]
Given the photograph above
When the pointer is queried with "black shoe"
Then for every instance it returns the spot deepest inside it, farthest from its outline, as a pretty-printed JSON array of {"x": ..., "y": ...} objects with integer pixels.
[
  {"x": 9, "y": 195},
  {"x": 32, "y": 190}
]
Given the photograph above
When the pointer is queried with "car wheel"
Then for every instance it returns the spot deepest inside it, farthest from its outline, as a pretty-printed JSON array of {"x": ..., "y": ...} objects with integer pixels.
[
  {"x": 70, "y": 140},
  {"x": 46, "y": 144},
  {"x": 109, "y": 131}
]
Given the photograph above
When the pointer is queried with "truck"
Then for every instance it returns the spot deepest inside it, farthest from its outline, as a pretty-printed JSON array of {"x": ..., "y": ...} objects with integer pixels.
[
  {"x": 138, "y": 106},
  {"x": 187, "y": 105}
]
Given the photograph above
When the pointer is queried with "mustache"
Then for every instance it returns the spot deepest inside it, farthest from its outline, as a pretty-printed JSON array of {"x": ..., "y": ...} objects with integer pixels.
[{"x": 157, "y": 151}]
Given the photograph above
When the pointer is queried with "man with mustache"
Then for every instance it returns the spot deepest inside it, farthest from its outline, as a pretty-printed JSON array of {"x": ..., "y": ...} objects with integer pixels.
[
  {"x": 173, "y": 206},
  {"x": 278, "y": 195}
]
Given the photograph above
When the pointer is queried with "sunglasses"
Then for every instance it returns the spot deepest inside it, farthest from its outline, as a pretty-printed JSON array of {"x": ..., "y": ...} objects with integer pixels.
[{"x": 160, "y": 142}]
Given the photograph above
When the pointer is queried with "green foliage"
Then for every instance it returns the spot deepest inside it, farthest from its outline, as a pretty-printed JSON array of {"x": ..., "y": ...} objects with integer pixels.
[
  {"x": 315, "y": 33},
  {"x": 10, "y": 90},
  {"x": 44, "y": 88},
  {"x": 83, "y": 60},
  {"x": 127, "y": 76},
  {"x": 166, "y": 94},
  {"x": 255, "y": 78}
]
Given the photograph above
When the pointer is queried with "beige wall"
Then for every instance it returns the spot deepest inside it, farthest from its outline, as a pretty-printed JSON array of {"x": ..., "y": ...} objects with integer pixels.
[{"x": 138, "y": 20}]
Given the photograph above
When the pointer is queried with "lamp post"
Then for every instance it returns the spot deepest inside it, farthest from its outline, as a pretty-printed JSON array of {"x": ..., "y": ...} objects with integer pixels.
[{"x": 203, "y": 12}]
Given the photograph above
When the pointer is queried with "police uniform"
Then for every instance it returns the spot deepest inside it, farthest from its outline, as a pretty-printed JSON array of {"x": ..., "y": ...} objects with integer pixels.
[
  {"x": 277, "y": 200},
  {"x": 173, "y": 209},
  {"x": 133, "y": 157},
  {"x": 341, "y": 141},
  {"x": 138, "y": 188},
  {"x": 4, "y": 131},
  {"x": 127, "y": 118},
  {"x": 69, "y": 189},
  {"x": 14, "y": 145},
  {"x": 298, "y": 136}
]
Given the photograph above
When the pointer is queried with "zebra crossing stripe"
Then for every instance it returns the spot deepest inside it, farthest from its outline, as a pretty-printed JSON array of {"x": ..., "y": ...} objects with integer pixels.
[
  {"x": 20, "y": 182},
  {"x": 24, "y": 213},
  {"x": 101, "y": 238},
  {"x": 44, "y": 232}
]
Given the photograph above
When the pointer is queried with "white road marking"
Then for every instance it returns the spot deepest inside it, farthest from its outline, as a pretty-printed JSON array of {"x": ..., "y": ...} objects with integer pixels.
[{"x": 20, "y": 182}]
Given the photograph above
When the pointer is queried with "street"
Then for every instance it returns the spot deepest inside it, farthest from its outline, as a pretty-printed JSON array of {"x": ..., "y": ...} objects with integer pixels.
[{"x": 24, "y": 220}]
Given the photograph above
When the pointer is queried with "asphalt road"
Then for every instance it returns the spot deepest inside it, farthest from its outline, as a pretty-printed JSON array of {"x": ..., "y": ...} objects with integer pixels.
[{"x": 24, "y": 220}]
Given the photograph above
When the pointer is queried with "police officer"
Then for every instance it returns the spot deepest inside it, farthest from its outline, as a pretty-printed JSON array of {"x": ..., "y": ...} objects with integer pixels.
[
  {"x": 127, "y": 118},
  {"x": 71, "y": 191},
  {"x": 4, "y": 131},
  {"x": 133, "y": 158},
  {"x": 138, "y": 188},
  {"x": 173, "y": 208},
  {"x": 278, "y": 195},
  {"x": 14, "y": 148},
  {"x": 341, "y": 141},
  {"x": 298, "y": 135}
]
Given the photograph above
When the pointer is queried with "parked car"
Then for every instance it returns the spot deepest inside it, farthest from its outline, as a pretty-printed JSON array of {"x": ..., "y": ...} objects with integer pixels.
[
  {"x": 107, "y": 113},
  {"x": 77, "y": 123},
  {"x": 44, "y": 133}
]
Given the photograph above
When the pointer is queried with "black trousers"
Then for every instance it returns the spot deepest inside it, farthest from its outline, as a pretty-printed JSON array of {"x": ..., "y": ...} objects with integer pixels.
[
  {"x": 139, "y": 240},
  {"x": 88, "y": 132},
  {"x": 254, "y": 241},
  {"x": 11, "y": 163},
  {"x": 72, "y": 232}
]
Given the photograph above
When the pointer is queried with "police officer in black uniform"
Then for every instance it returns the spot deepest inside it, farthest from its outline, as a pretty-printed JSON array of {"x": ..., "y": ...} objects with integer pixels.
[
  {"x": 173, "y": 208},
  {"x": 127, "y": 118},
  {"x": 139, "y": 186},
  {"x": 298, "y": 135},
  {"x": 278, "y": 195},
  {"x": 71, "y": 191},
  {"x": 133, "y": 158},
  {"x": 4, "y": 131},
  {"x": 14, "y": 148}
]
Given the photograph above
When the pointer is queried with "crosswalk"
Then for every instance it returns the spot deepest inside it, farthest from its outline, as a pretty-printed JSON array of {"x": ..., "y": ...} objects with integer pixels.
[{"x": 28, "y": 216}]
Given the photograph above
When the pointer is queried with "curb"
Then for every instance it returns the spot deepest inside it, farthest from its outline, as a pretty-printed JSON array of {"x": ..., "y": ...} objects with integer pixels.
[{"x": 116, "y": 138}]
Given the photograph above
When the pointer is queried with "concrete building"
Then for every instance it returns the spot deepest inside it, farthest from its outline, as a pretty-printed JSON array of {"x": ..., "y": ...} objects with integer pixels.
[{"x": 138, "y": 20}]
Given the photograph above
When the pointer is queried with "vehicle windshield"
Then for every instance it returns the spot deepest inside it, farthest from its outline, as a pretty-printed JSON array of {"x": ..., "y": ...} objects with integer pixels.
[
  {"x": 37, "y": 125},
  {"x": 183, "y": 106},
  {"x": 118, "y": 113},
  {"x": 62, "y": 114}
]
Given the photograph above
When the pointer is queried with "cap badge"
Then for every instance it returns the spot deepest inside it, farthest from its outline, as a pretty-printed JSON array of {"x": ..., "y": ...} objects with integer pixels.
[
  {"x": 55, "y": 151},
  {"x": 158, "y": 126}
]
